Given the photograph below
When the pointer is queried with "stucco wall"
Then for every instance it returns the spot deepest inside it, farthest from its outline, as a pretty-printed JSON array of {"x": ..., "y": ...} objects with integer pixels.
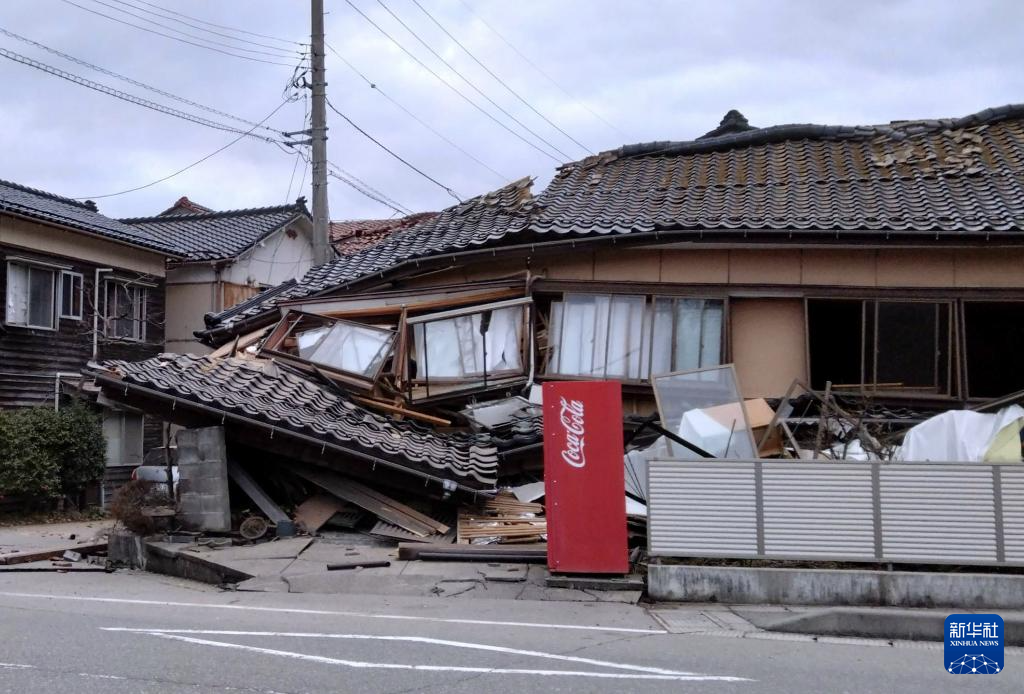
[{"x": 277, "y": 258}]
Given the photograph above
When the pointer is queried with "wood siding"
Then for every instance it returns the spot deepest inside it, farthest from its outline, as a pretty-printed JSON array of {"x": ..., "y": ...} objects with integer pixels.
[{"x": 30, "y": 358}]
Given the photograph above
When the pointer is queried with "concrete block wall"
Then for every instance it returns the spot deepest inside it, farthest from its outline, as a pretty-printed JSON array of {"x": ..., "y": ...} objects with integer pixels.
[{"x": 205, "y": 503}]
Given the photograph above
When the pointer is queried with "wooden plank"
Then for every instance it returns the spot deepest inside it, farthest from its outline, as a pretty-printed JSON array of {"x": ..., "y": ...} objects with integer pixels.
[
  {"x": 253, "y": 490},
  {"x": 44, "y": 554},
  {"x": 411, "y": 551},
  {"x": 395, "y": 409},
  {"x": 315, "y": 511},
  {"x": 374, "y": 502},
  {"x": 240, "y": 343}
]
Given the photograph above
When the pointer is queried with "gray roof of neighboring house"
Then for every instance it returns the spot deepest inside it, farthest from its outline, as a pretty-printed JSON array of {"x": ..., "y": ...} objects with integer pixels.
[
  {"x": 81, "y": 216},
  {"x": 950, "y": 177},
  {"x": 218, "y": 235},
  {"x": 263, "y": 392}
]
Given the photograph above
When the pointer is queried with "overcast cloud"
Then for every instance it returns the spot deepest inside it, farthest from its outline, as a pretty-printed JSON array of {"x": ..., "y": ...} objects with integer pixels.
[{"x": 656, "y": 70}]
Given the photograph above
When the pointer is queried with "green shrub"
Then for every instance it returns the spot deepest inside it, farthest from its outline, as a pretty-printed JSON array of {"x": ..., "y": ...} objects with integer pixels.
[
  {"x": 29, "y": 466},
  {"x": 45, "y": 454}
]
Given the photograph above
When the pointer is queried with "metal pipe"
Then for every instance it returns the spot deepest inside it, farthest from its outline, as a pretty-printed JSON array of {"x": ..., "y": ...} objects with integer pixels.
[{"x": 96, "y": 311}]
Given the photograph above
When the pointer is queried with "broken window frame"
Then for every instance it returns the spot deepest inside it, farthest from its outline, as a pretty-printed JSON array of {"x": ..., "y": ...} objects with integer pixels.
[
  {"x": 648, "y": 325},
  {"x": 481, "y": 380},
  {"x": 869, "y": 321},
  {"x": 294, "y": 319},
  {"x": 964, "y": 363}
]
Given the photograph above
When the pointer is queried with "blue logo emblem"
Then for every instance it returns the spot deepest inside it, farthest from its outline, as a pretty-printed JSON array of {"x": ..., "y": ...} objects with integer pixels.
[{"x": 974, "y": 644}]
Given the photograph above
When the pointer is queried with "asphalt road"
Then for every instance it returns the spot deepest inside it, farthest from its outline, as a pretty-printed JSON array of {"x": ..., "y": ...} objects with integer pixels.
[{"x": 132, "y": 632}]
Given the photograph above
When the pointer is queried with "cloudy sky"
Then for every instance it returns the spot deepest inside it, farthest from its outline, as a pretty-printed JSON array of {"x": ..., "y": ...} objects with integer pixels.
[{"x": 600, "y": 72}]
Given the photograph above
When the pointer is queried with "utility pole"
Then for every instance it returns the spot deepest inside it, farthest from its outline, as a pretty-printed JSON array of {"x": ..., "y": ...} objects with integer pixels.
[{"x": 321, "y": 219}]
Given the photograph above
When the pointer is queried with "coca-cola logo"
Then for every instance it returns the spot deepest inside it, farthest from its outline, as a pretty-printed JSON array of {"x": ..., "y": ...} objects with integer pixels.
[{"x": 571, "y": 418}]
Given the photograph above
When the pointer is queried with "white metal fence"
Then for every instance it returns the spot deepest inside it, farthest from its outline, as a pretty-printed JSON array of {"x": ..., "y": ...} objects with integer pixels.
[{"x": 837, "y": 511}]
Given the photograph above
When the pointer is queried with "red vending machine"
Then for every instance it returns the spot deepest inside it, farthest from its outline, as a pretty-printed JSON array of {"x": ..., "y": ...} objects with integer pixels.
[{"x": 584, "y": 486}]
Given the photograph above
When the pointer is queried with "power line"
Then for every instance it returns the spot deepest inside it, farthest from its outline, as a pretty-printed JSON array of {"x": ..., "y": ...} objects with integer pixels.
[
  {"x": 500, "y": 81},
  {"x": 174, "y": 38},
  {"x": 368, "y": 187},
  {"x": 200, "y": 28},
  {"x": 447, "y": 83},
  {"x": 541, "y": 72},
  {"x": 396, "y": 207},
  {"x": 220, "y": 26},
  {"x": 376, "y": 87},
  {"x": 124, "y": 96},
  {"x": 195, "y": 163},
  {"x": 279, "y": 52},
  {"x": 129, "y": 80},
  {"x": 470, "y": 83},
  {"x": 385, "y": 148}
]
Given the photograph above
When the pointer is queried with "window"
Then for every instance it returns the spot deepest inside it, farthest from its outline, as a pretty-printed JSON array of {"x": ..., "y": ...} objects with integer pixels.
[
  {"x": 352, "y": 352},
  {"x": 31, "y": 296},
  {"x": 629, "y": 338},
  {"x": 124, "y": 310},
  {"x": 891, "y": 345},
  {"x": 993, "y": 335},
  {"x": 70, "y": 295},
  {"x": 468, "y": 347}
]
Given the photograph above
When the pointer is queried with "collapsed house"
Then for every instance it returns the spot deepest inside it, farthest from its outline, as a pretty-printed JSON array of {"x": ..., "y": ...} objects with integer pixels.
[{"x": 879, "y": 264}]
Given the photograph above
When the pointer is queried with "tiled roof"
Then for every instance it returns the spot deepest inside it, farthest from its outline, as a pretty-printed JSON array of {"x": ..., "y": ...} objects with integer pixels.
[
  {"x": 475, "y": 222},
  {"x": 263, "y": 392},
  {"x": 355, "y": 235},
  {"x": 83, "y": 216},
  {"x": 951, "y": 177},
  {"x": 218, "y": 235}
]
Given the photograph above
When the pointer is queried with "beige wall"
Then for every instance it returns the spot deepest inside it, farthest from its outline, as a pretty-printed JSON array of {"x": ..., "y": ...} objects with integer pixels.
[
  {"x": 54, "y": 241},
  {"x": 767, "y": 344},
  {"x": 995, "y": 268},
  {"x": 186, "y": 305}
]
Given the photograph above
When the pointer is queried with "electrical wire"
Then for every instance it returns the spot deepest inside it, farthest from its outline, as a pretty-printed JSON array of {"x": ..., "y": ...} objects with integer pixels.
[
  {"x": 200, "y": 28},
  {"x": 130, "y": 98},
  {"x": 448, "y": 84},
  {"x": 279, "y": 52},
  {"x": 376, "y": 87},
  {"x": 129, "y": 80},
  {"x": 469, "y": 82},
  {"x": 174, "y": 38},
  {"x": 542, "y": 73},
  {"x": 183, "y": 170},
  {"x": 377, "y": 142},
  {"x": 500, "y": 81},
  {"x": 367, "y": 188},
  {"x": 220, "y": 26}
]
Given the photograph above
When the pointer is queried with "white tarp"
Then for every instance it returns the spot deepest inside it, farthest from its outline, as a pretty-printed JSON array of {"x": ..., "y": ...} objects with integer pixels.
[{"x": 962, "y": 435}]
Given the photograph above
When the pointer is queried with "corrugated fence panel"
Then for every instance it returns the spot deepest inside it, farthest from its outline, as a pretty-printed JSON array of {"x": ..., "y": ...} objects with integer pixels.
[
  {"x": 818, "y": 510},
  {"x": 895, "y": 512},
  {"x": 702, "y": 509},
  {"x": 938, "y": 512},
  {"x": 1013, "y": 511}
]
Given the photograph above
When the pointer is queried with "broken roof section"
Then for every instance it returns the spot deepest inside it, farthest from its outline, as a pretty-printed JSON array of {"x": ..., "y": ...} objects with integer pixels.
[
  {"x": 355, "y": 235},
  {"x": 202, "y": 236},
  {"x": 259, "y": 393},
  {"x": 475, "y": 222}
]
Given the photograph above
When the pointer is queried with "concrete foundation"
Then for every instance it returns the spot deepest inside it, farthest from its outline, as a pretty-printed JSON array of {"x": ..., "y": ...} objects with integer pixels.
[{"x": 740, "y": 585}]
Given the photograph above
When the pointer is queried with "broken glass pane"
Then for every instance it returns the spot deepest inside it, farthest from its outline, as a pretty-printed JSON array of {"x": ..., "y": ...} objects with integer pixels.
[
  {"x": 705, "y": 408},
  {"x": 456, "y": 347},
  {"x": 356, "y": 349}
]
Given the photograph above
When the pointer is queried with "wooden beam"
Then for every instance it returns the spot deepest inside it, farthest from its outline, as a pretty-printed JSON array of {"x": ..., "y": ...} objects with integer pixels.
[{"x": 395, "y": 409}]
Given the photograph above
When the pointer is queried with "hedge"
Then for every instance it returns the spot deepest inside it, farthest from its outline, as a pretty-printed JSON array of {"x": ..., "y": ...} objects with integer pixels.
[{"x": 47, "y": 454}]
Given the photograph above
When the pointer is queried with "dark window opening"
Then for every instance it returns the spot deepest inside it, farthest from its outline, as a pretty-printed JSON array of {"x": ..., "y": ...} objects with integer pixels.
[
  {"x": 886, "y": 345},
  {"x": 994, "y": 334},
  {"x": 834, "y": 341}
]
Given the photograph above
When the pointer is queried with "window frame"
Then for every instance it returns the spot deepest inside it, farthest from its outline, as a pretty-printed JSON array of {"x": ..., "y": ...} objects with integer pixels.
[
  {"x": 869, "y": 360},
  {"x": 647, "y": 342},
  {"x": 64, "y": 275},
  {"x": 140, "y": 295},
  {"x": 29, "y": 266}
]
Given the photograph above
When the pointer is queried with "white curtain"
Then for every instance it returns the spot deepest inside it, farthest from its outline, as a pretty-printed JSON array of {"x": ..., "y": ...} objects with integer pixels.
[{"x": 454, "y": 348}]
